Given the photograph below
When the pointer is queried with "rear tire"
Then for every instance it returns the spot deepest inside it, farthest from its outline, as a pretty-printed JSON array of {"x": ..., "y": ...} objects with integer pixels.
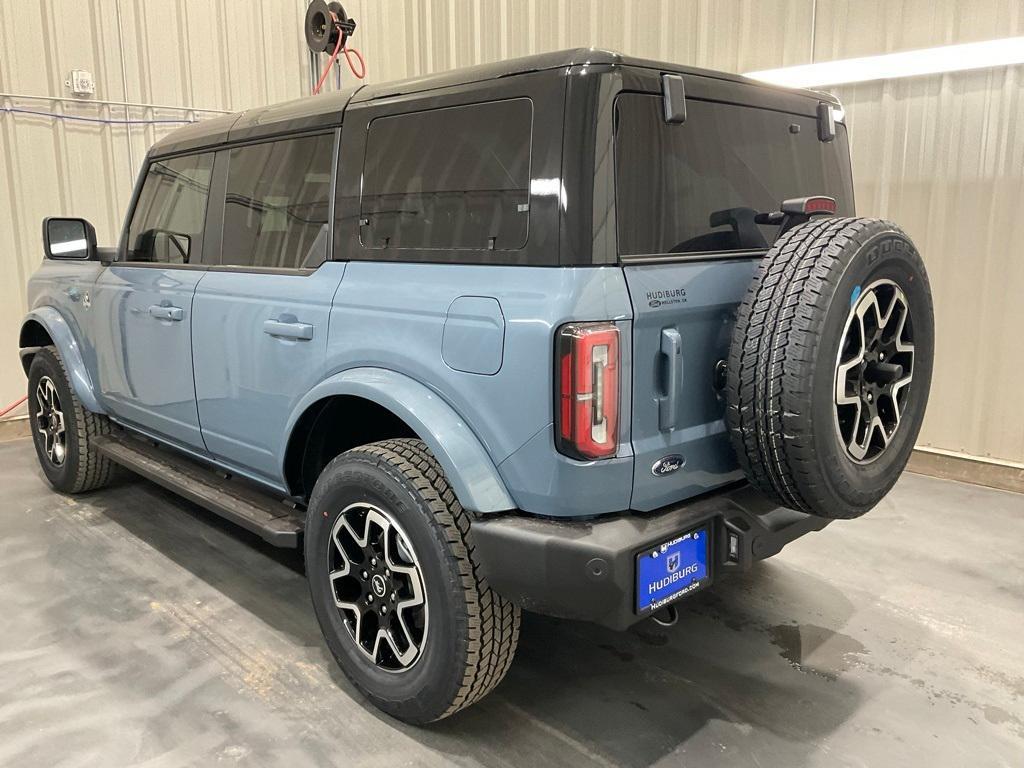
[
  {"x": 62, "y": 430},
  {"x": 448, "y": 650},
  {"x": 827, "y": 378}
]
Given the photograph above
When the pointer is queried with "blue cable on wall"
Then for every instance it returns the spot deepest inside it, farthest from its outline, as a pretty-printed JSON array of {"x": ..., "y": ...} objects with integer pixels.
[{"x": 101, "y": 120}]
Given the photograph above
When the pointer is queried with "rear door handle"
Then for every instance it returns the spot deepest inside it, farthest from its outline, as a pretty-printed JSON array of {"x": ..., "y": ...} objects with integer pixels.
[
  {"x": 671, "y": 354},
  {"x": 166, "y": 312},
  {"x": 288, "y": 329}
]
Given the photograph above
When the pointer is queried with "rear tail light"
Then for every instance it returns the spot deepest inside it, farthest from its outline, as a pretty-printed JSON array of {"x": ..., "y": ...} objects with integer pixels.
[{"x": 587, "y": 388}]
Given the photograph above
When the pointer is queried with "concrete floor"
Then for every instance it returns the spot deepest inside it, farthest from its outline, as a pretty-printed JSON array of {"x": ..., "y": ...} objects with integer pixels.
[{"x": 139, "y": 629}]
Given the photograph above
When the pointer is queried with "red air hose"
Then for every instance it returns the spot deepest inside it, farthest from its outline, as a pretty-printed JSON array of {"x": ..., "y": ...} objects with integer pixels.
[
  {"x": 348, "y": 58},
  {"x": 12, "y": 406}
]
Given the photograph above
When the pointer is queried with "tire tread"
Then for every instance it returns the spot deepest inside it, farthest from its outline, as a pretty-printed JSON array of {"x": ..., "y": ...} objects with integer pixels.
[
  {"x": 492, "y": 621},
  {"x": 774, "y": 350},
  {"x": 93, "y": 470}
]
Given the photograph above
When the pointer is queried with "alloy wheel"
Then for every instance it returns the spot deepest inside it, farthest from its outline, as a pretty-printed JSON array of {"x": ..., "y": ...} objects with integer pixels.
[
  {"x": 874, "y": 369},
  {"x": 50, "y": 421},
  {"x": 378, "y": 586}
]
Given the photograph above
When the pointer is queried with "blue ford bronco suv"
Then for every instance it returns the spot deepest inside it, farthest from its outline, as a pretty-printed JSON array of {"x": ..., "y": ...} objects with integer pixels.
[{"x": 576, "y": 333}]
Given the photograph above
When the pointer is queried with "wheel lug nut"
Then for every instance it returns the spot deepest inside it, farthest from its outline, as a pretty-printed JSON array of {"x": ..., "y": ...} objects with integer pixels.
[
  {"x": 369, "y": 599},
  {"x": 364, "y": 574},
  {"x": 373, "y": 561},
  {"x": 392, "y": 597},
  {"x": 383, "y": 609},
  {"x": 387, "y": 573}
]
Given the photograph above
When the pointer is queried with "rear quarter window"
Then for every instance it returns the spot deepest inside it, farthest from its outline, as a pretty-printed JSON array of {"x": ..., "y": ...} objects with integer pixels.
[
  {"x": 694, "y": 187},
  {"x": 450, "y": 178}
]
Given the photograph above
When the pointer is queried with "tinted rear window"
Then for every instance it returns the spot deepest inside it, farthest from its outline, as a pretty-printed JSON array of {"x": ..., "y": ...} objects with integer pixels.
[
  {"x": 694, "y": 187},
  {"x": 453, "y": 178}
]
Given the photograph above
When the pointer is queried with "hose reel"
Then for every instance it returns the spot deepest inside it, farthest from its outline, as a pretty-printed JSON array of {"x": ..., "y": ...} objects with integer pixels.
[
  {"x": 325, "y": 22},
  {"x": 328, "y": 29}
]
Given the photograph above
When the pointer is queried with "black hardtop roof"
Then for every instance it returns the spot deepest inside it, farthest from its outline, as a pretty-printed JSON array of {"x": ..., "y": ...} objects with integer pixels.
[{"x": 312, "y": 112}]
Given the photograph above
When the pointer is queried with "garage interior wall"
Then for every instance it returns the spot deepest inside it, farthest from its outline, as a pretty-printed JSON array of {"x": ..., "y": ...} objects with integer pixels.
[{"x": 942, "y": 155}]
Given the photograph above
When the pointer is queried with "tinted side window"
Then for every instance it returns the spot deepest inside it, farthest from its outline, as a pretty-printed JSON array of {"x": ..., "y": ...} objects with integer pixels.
[
  {"x": 167, "y": 225},
  {"x": 696, "y": 186},
  {"x": 452, "y": 178},
  {"x": 276, "y": 206}
]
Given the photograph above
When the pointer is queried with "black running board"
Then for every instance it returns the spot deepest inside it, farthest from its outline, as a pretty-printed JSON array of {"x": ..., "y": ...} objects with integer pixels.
[{"x": 270, "y": 518}]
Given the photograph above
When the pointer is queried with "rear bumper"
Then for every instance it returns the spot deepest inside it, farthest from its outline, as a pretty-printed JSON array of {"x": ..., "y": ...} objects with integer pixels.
[{"x": 586, "y": 569}]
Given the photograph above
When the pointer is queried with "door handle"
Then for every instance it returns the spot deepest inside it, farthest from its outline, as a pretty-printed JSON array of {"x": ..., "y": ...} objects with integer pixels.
[
  {"x": 166, "y": 312},
  {"x": 288, "y": 329},
  {"x": 671, "y": 354}
]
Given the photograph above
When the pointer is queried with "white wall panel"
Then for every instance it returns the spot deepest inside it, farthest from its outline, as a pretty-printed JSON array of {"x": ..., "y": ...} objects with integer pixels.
[
  {"x": 849, "y": 28},
  {"x": 215, "y": 55},
  {"x": 943, "y": 155}
]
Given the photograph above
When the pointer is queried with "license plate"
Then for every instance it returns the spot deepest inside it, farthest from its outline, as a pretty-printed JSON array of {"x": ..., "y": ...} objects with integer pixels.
[{"x": 672, "y": 569}]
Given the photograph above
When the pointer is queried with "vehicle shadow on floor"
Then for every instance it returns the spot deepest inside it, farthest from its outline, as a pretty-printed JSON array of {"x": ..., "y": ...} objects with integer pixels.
[
  {"x": 633, "y": 698},
  {"x": 736, "y": 662}
]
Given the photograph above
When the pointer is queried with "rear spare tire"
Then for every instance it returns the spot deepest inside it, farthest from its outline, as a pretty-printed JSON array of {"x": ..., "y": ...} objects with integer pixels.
[{"x": 830, "y": 365}]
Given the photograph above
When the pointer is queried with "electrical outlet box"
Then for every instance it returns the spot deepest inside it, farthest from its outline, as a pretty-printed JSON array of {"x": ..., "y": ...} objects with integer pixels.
[{"x": 81, "y": 83}]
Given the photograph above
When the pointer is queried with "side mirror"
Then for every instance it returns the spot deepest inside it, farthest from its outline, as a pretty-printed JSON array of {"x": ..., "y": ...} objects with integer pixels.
[{"x": 69, "y": 239}]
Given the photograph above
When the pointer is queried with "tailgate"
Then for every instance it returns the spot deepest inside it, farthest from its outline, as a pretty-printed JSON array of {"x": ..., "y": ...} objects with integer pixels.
[
  {"x": 687, "y": 198},
  {"x": 683, "y": 317}
]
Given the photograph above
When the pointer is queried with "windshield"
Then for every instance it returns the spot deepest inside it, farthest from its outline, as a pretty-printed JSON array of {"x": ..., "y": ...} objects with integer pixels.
[{"x": 695, "y": 187}]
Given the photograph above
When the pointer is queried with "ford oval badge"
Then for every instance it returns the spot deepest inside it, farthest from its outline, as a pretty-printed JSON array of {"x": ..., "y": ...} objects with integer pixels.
[{"x": 666, "y": 465}]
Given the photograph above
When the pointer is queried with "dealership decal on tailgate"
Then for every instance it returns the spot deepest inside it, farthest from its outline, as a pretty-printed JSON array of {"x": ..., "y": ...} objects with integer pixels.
[{"x": 672, "y": 569}]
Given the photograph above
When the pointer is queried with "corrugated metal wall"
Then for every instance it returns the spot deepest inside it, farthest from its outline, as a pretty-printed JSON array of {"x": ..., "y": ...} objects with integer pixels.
[
  {"x": 942, "y": 155},
  {"x": 181, "y": 55}
]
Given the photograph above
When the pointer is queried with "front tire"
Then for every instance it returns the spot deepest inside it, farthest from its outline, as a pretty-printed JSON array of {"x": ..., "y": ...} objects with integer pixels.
[
  {"x": 62, "y": 430},
  {"x": 398, "y": 596}
]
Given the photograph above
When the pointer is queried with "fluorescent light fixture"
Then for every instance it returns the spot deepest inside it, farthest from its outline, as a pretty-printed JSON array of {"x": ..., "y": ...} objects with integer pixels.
[{"x": 926, "y": 61}]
